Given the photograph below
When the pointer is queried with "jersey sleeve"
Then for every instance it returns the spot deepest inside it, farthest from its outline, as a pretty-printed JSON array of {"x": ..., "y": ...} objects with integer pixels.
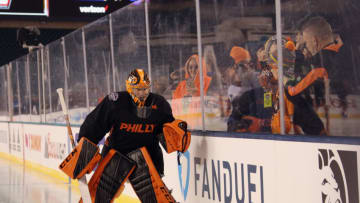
[
  {"x": 309, "y": 79},
  {"x": 98, "y": 122},
  {"x": 168, "y": 115}
]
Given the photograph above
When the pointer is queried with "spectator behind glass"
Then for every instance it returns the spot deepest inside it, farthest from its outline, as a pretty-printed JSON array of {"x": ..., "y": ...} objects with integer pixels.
[
  {"x": 191, "y": 85},
  {"x": 325, "y": 52},
  {"x": 241, "y": 75},
  {"x": 186, "y": 97}
]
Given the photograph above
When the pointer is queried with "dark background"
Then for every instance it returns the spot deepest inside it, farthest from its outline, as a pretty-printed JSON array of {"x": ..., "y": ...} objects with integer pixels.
[{"x": 64, "y": 17}]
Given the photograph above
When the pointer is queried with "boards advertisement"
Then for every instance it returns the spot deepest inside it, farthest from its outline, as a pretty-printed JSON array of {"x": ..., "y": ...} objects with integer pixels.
[
  {"x": 46, "y": 145},
  {"x": 16, "y": 140},
  {"x": 225, "y": 169}
]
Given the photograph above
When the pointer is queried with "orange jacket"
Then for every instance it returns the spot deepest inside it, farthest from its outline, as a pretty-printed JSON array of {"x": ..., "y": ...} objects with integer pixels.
[{"x": 181, "y": 89}]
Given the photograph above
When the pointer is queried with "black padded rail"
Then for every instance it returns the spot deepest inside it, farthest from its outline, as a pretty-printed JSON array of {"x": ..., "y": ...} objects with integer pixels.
[{"x": 277, "y": 137}]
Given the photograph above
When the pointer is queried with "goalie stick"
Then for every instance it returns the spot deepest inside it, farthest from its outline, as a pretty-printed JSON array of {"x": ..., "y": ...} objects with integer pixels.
[{"x": 83, "y": 186}]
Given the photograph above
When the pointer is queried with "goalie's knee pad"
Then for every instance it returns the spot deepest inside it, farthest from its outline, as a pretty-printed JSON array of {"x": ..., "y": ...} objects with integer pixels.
[
  {"x": 175, "y": 136},
  {"x": 146, "y": 181},
  {"x": 81, "y": 160},
  {"x": 110, "y": 176}
]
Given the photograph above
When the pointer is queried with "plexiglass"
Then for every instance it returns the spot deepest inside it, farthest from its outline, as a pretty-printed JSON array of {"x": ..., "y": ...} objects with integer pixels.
[
  {"x": 320, "y": 48},
  {"x": 129, "y": 42}
]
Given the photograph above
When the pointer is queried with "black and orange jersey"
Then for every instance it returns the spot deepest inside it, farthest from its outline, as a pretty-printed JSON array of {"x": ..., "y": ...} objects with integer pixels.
[
  {"x": 331, "y": 59},
  {"x": 325, "y": 65},
  {"x": 118, "y": 112}
]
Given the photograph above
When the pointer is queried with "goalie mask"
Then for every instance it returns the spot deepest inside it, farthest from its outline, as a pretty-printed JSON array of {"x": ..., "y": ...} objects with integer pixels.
[
  {"x": 138, "y": 86},
  {"x": 288, "y": 49}
]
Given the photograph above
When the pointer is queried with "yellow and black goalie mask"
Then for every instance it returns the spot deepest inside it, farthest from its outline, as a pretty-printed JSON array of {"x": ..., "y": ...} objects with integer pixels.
[
  {"x": 288, "y": 50},
  {"x": 138, "y": 86}
]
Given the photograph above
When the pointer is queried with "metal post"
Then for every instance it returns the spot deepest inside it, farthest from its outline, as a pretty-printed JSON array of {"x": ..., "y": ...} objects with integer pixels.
[
  {"x": 48, "y": 75},
  {"x": 39, "y": 86},
  {"x": 85, "y": 67},
  {"x": 66, "y": 73},
  {"x": 43, "y": 81},
  {"x": 18, "y": 87},
  {"x": 28, "y": 83},
  {"x": 354, "y": 67},
  {"x": 148, "y": 39},
  {"x": 198, "y": 25},
  {"x": 112, "y": 51},
  {"x": 280, "y": 64},
  {"x": 10, "y": 93}
]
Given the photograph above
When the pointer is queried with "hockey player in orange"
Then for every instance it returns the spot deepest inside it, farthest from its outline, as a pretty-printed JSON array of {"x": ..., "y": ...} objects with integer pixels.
[
  {"x": 139, "y": 120},
  {"x": 288, "y": 69},
  {"x": 302, "y": 113}
]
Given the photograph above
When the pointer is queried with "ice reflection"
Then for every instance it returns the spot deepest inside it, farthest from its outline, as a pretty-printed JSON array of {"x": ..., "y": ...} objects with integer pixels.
[{"x": 20, "y": 184}]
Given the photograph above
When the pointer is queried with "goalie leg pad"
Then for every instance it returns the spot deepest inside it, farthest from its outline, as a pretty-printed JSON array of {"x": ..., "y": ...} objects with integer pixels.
[
  {"x": 146, "y": 180},
  {"x": 108, "y": 181},
  {"x": 81, "y": 160},
  {"x": 175, "y": 136}
]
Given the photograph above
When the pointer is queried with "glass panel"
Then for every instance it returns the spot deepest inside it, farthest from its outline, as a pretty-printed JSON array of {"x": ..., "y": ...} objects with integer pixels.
[
  {"x": 326, "y": 34},
  {"x": 97, "y": 40},
  {"x": 75, "y": 83},
  {"x": 4, "y": 113},
  {"x": 35, "y": 86},
  {"x": 174, "y": 51},
  {"x": 56, "y": 79},
  {"x": 24, "y": 95},
  {"x": 128, "y": 26},
  {"x": 232, "y": 34}
]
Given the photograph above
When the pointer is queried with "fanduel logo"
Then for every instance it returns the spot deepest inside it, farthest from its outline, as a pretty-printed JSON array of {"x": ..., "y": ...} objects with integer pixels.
[
  {"x": 93, "y": 9},
  {"x": 339, "y": 177},
  {"x": 184, "y": 188},
  {"x": 214, "y": 180}
]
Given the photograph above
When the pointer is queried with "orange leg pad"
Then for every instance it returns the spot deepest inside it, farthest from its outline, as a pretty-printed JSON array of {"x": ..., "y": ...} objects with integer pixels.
[
  {"x": 110, "y": 176},
  {"x": 146, "y": 180}
]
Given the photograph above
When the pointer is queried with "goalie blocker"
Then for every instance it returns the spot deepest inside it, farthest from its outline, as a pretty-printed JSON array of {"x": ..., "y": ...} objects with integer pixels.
[
  {"x": 175, "y": 136},
  {"x": 81, "y": 160}
]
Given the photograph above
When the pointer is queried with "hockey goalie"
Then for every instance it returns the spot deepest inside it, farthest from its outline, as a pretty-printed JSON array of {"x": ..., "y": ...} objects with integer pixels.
[{"x": 138, "y": 121}]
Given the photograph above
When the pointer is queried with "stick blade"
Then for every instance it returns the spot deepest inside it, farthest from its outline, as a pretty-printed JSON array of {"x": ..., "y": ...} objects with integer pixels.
[{"x": 84, "y": 190}]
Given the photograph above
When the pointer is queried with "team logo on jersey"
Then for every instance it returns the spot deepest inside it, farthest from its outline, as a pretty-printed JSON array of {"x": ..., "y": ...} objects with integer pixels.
[
  {"x": 184, "y": 178},
  {"x": 338, "y": 176},
  {"x": 113, "y": 96},
  {"x": 137, "y": 128}
]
